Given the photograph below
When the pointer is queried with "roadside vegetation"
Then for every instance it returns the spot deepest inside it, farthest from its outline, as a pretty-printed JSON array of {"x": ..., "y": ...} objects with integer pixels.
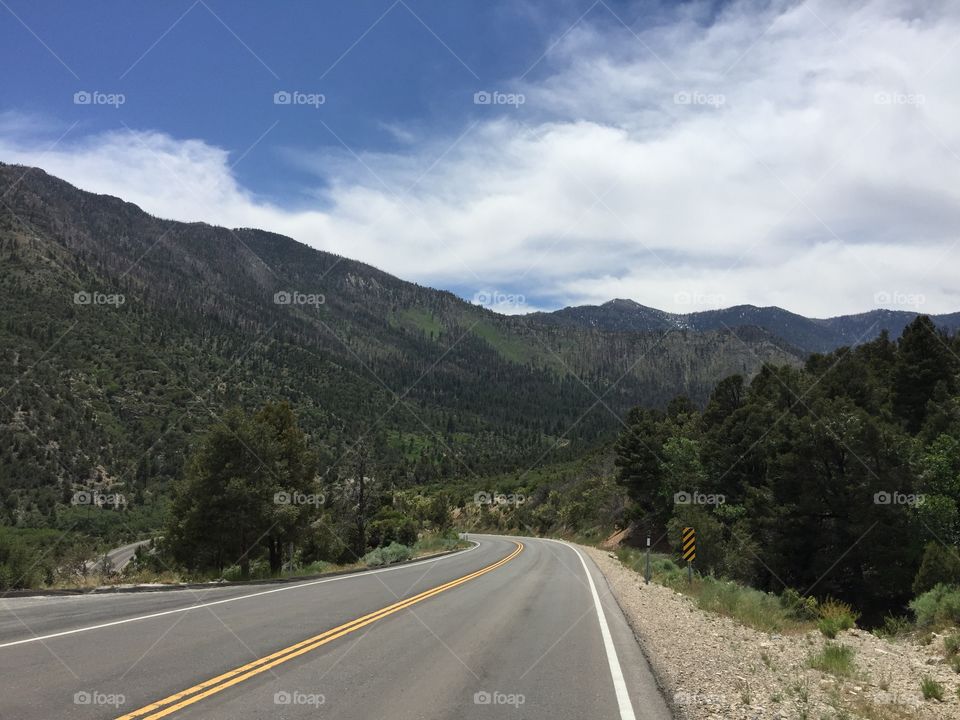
[{"x": 835, "y": 659}]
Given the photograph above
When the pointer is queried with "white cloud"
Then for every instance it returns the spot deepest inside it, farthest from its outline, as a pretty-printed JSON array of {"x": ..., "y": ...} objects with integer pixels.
[{"x": 816, "y": 165}]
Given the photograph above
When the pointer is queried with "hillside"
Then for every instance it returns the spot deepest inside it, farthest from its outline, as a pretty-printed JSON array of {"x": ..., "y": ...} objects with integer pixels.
[
  {"x": 125, "y": 335},
  {"x": 807, "y": 334}
]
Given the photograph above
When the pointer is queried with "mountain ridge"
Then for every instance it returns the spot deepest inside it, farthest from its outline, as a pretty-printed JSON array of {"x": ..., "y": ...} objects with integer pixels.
[
  {"x": 807, "y": 334},
  {"x": 100, "y": 394}
]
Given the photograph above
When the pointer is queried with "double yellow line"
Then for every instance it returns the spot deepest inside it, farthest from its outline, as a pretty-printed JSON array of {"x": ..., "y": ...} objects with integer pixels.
[{"x": 194, "y": 694}]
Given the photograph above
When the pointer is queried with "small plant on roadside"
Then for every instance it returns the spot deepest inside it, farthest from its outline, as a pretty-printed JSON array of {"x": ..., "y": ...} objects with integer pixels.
[
  {"x": 951, "y": 644},
  {"x": 955, "y": 663},
  {"x": 801, "y": 689},
  {"x": 394, "y": 552},
  {"x": 802, "y": 607},
  {"x": 834, "y": 659},
  {"x": 893, "y": 627},
  {"x": 828, "y": 627},
  {"x": 835, "y": 616},
  {"x": 938, "y": 607},
  {"x": 931, "y": 689}
]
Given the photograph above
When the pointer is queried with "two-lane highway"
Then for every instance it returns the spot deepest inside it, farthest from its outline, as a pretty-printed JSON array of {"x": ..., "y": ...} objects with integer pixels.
[{"x": 514, "y": 627}]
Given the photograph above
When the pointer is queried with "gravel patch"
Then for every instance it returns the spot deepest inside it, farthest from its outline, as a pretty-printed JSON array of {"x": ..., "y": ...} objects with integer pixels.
[{"x": 713, "y": 668}]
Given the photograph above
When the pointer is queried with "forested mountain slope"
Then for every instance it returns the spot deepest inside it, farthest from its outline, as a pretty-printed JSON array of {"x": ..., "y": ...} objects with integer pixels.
[
  {"x": 808, "y": 334},
  {"x": 124, "y": 335}
]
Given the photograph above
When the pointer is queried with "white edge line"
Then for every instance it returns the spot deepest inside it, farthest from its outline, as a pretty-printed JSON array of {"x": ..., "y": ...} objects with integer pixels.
[
  {"x": 616, "y": 672},
  {"x": 351, "y": 576}
]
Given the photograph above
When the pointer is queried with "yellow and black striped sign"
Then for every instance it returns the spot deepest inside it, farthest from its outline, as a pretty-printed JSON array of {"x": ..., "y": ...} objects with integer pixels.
[{"x": 689, "y": 544}]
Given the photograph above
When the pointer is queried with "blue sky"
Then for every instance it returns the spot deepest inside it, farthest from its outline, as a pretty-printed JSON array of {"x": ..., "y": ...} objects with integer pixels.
[
  {"x": 209, "y": 69},
  {"x": 686, "y": 155}
]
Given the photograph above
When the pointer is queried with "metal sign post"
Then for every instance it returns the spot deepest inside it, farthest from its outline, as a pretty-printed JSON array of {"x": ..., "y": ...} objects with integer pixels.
[
  {"x": 646, "y": 575},
  {"x": 689, "y": 550}
]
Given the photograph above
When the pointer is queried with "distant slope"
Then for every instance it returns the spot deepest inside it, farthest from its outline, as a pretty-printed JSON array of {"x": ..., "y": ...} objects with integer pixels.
[
  {"x": 806, "y": 334},
  {"x": 112, "y": 395}
]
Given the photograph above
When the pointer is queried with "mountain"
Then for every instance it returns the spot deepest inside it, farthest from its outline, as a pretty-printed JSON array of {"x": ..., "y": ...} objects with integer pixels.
[
  {"x": 123, "y": 336},
  {"x": 809, "y": 335}
]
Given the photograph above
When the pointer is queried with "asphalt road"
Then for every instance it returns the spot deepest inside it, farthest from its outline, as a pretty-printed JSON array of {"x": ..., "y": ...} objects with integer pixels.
[
  {"x": 513, "y": 628},
  {"x": 119, "y": 557}
]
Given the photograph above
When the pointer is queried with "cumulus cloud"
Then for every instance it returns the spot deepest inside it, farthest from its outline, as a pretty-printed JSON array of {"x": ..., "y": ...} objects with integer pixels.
[{"x": 799, "y": 154}]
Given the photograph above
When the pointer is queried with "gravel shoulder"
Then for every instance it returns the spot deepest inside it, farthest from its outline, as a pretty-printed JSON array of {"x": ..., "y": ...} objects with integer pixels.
[{"x": 713, "y": 668}]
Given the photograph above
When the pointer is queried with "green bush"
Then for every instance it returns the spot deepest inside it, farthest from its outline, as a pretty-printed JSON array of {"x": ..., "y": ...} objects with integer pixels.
[
  {"x": 316, "y": 567},
  {"x": 834, "y": 617},
  {"x": 802, "y": 607},
  {"x": 931, "y": 689},
  {"x": 951, "y": 644},
  {"x": 751, "y": 607},
  {"x": 259, "y": 570},
  {"x": 940, "y": 565},
  {"x": 834, "y": 659},
  {"x": 439, "y": 543},
  {"x": 939, "y": 606},
  {"x": 829, "y": 627},
  {"x": 390, "y": 526},
  {"x": 894, "y": 626},
  {"x": 392, "y": 553}
]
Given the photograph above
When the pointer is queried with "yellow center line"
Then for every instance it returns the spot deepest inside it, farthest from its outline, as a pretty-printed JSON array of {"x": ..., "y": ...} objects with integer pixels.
[{"x": 202, "y": 690}]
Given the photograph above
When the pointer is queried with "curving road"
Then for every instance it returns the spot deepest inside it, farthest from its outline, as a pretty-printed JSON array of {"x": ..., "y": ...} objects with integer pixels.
[
  {"x": 119, "y": 557},
  {"x": 512, "y": 628}
]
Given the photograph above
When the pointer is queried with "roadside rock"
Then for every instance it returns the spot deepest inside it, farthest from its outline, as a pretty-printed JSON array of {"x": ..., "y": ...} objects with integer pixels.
[{"x": 713, "y": 668}]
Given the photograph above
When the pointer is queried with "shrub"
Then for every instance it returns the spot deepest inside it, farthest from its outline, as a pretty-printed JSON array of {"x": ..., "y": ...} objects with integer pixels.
[
  {"x": 834, "y": 659},
  {"x": 829, "y": 627},
  {"x": 951, "y": 644},
  {"x": 940, "y": 564},
  {"x": 802, "y": 607},
  {"x": 835, "y": 616},
  {"x": 439, "y": 543},
  {"x": 931, "y": 689},
  {"x": 394, "y": 552},
  {"x": 751, "y": 607},
  {"x": 390, "y": 526},
  {"x": 259, "y": 570},
  {"x": 939, "y": 606},
  {"x": 893, "y": 627},
  {"x": 955, "y": 663},
  {"x": 316, "y": 567}
]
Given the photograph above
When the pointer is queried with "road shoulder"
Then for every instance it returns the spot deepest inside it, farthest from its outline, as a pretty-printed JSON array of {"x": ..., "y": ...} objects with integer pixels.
[{"x": 713, "y": 668}]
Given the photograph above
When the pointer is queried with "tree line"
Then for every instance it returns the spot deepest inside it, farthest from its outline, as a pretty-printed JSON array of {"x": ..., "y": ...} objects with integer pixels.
[{"x": 840, "y": 478}]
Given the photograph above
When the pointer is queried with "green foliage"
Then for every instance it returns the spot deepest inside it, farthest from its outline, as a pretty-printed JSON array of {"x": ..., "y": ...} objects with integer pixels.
[
  {"x": 249, "y": 483},
  {"x": 829, "y": 627},
  {"x": 200, "y": 330},
  {"x": 835, "y": 659},
  {"x": 924, "y": 363},
  {"x": 835, "y": 616},
  {"x": 389, "y": 526},
  {"x": 831, "y": 476},
  {"x": 951, "y": 644},
  {"x": 755, "y": 608},
  {"x": 392, "y": 553},
  {"x": 939, "y": 606},
  {"x": 433, "y": 543},
  {"x": 32, "y": 557},
  {"x": 931, "y": 689},
  {"x": 802, "y": 607},
  {"x": 894, "y": 626},
  {"x": 940, "y": 565}
]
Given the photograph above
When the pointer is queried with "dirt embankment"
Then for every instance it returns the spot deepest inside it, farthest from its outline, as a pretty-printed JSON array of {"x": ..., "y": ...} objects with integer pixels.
[{"x": 714, "y": 668}]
